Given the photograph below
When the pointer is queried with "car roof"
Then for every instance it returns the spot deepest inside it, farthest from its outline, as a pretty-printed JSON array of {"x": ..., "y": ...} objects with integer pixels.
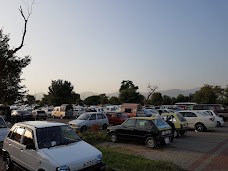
[
  {"x": 145, "y": 118},
  {"x": 40, "y": 124}
]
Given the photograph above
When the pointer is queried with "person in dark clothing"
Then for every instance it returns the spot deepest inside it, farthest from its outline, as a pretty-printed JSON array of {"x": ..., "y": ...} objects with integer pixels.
[{"x": 172, "y": 126}]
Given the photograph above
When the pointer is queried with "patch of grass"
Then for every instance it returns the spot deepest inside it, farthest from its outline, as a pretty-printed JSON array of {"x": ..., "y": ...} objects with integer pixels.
[
  {"x": 116, "y": 160},
  {"x": 94, "y": 137}
]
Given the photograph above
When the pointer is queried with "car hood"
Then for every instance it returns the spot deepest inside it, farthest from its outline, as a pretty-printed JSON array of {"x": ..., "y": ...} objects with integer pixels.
[
  {"x": 3, "y": 133},
  {"x": 76, "y": 122},
  {"x": 73, "y": 154}
]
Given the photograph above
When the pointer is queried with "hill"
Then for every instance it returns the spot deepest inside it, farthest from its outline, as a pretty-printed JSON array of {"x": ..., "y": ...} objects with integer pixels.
[{"x": 171, "y": 93}]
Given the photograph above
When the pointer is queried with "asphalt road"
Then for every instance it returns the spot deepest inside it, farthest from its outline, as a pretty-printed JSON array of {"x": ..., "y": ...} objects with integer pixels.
[{"x": 194, "y": 151}]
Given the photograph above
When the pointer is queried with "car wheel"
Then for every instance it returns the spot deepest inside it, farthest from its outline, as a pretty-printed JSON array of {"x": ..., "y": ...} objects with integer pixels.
[
  {"x": 151, "y": 142},
  {"x": 182, "y": 133},
  {"x": 113, "y": 137},
  {"x": 200, "y": 127},
  {"x": 104, "y": 127},
  {"x": 218, "y": 124},
  {"x": 84, "y": 129},
  {"x": 8, "y": 163},
  {"x": 175, "y": 134}
]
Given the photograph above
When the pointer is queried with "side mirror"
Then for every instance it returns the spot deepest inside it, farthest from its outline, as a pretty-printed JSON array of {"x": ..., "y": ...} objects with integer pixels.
[{"x": 30, "y": 146}]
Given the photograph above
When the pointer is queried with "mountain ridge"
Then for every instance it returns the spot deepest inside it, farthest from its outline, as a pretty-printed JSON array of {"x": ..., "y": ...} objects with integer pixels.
[{"x": 170, "y": 92}]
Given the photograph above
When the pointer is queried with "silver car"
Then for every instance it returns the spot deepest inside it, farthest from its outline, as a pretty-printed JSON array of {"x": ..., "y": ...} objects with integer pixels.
[{"x": 86, "y": 120}]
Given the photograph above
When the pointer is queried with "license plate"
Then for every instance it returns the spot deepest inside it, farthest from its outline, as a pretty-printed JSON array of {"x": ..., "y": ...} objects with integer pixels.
[{"x": 167, "y": 140}]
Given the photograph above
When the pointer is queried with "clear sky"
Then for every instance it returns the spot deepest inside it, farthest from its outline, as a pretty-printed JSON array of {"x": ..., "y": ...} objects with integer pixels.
[{"x": 95, "y": 44}]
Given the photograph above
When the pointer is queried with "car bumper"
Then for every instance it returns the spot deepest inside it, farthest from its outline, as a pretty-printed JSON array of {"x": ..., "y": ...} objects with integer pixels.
[{"x": 98, "y": 167}]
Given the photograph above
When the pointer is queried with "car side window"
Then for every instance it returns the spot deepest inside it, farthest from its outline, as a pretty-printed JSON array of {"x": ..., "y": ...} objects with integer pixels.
[
  {"x": 92, "y": 117},
  {"x": 28, "y": 138},
  {"x": 17, "y": 134},
  {"x": 129, "y": 123},
  {"x": 190, "y": 114},
  {"x": 140, "y": 123},
  {"x": 100, "y": 116}
]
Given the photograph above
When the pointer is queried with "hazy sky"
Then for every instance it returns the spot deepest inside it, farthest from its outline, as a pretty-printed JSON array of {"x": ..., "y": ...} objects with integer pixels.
[{"x": 95, "y": 44}]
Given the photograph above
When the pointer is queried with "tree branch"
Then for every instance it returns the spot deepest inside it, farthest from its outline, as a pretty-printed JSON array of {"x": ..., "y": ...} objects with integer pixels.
[{"x": 25, "y": 25}]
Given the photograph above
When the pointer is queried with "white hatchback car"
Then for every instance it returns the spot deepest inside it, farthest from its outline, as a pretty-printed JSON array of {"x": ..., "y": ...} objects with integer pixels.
[
  {"x": 218, "y": 119},
  {"x": 48, "y": 146},
  {"x": 3, "y": 130},
  {"x": 198, "y": 120},
  {"x": 87, "y": 120}
]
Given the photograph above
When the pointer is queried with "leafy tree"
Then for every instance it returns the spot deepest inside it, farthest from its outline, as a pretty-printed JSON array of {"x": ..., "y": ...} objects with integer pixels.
[
  {"x": 61, "y": 92},
  {"x": 114, "y": 100},
  {"x": 103, "y": 99},
  {"x": 128, "y": 93},
  {"x": 11, "y": 65},
  {"x": 166, "y": 100},
  {"x": 92, "y": 100},
  {"x": 205, "y": 95},
  {"x": 156, "y": 98},
  {"x": 30, "y": 99},
  {"x": 182, "y": 98}
]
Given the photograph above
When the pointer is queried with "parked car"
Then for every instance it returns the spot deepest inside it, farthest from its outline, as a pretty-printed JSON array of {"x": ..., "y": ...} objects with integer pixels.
[
  {"x": 63, "y": 111},
  {"x": 5, "y": 112},
  {"x": 50, "y": 146},
  {"x": 218, "y": 119},
  {"x": 86, "y": 120},
  {"x": 21, "y": 115},
  {"x": 39, "y": 114},
  {"x": 78, "y": 110},
  {"x": 116, "y": 118},
  {"x": 180, "y": 123},
  {"x": 3, "y": 130},
  {"x": 198, "y": 120},
  {"x": 217, "y": 108},
  {"x": 150, "y": 130},
  {"x": 48, "y": 111}
]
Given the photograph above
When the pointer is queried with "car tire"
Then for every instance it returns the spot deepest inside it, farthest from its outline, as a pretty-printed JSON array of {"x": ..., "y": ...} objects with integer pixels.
[
  {"x": 104, "y": 127},
  {"x": 182, "y": 132},
  {"x": 84, "y": 129},
  {"x": 113, "y": 137},
  {"x": 8, "y": 165},
  {"x": 151, "y": 142},
  {"x": 175, "y": 133},
  {"x": 200, "y": 127},
  {"x": 218, "y": 124}
]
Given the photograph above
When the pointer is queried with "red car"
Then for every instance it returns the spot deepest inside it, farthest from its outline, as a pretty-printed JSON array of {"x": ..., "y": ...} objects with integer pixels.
[{"x": 116, "y": 118}]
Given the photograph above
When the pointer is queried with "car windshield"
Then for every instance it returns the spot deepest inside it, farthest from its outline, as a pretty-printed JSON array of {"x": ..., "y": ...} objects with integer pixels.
[
  {"x": 160, "y": 123},
  {"x": 83, "y": 116},
  {"x": 55, "y": 136},
  {"x": 2, "y": 123}
]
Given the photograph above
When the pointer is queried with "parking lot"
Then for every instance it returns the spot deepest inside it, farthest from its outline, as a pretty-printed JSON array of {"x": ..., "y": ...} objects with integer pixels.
[{"x": 207, "y": 151}]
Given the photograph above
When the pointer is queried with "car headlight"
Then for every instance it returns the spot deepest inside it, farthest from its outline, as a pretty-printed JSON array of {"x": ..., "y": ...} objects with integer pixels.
[
  {"x": 99, "y": 157},
  {"x": 63, "y": 168}
]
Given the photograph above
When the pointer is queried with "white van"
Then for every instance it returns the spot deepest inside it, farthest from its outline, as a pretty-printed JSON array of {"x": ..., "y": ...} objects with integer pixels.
[{"x": 63, "y": 111}]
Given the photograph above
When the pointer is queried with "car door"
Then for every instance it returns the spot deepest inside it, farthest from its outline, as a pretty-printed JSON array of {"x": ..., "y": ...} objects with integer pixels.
[
  {"x": 191, "y": 118},
  {"x": 92, "y": 120},
  {"x": 100, "y": 119},
  {"x": 28, "y": 157},
  {"x": 140, "y": 129},
  {"x": 13, "y": 144},
  {"x": 126, "y": 131}
]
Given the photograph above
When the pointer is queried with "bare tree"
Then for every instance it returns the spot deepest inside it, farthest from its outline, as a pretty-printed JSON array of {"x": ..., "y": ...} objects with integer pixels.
[
  {"x": 151, "y": 90},
  {"x": 29, "y": 11}
]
